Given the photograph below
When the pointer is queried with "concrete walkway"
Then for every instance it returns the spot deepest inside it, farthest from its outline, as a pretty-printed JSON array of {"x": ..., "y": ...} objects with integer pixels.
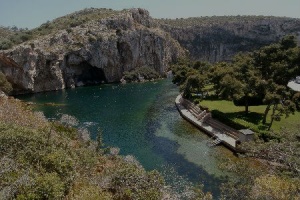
[{"x": 206, "y": 123}]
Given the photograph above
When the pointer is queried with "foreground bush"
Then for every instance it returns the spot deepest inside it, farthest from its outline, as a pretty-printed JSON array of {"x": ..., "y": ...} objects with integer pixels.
[
  {"x": 43, "y": 160},
  {"x": 259, "y": 180}
]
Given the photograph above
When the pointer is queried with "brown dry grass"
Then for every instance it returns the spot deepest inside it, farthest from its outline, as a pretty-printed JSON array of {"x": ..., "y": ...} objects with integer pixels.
[{"x": 13, "y": 111}]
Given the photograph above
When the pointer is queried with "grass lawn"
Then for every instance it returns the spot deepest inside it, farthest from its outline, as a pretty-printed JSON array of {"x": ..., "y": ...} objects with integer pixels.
[
  {"x": 292, "y": 122},
  {"x": 254, "y": 117}
]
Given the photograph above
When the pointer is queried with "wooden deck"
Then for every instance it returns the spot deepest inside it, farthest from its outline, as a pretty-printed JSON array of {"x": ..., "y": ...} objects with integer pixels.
[{"x": 201, "y": 119}]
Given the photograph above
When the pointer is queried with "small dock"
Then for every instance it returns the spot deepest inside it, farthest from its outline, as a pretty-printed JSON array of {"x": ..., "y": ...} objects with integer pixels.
[{"x": 220, "y": 133}]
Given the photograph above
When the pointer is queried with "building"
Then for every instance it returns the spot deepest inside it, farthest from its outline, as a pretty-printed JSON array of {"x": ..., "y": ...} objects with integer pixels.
[{"x": 246, "y": 135}]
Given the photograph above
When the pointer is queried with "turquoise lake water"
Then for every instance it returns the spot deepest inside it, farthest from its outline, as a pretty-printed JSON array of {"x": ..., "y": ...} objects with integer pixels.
[{"x": 142, "y": 120}]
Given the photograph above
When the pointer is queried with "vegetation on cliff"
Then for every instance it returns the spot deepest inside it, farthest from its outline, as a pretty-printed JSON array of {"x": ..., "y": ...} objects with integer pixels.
[
  {"x": 41, "y": 159},
  {"x": 97, "y": 50},
  {"x": 10, "y": 36},
  {"x": 50, "y": 160},
  {"x": 141, "y": 74},
  {"x": 221, "y": 20},
  {"x": 259, "y": 179},
  {"x": 219, "y": 38},
  {"x": 53, "y": 160}
]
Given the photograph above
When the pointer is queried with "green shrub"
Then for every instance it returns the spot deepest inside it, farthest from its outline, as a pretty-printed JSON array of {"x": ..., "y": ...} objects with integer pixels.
[
  {"x": 90, "y": 192},
  {"x": 46, "y": 186},
  {"x": 130, "y": 76},
  {"x": 196, "y": 101},
  {"x": 68, "y": 131},
  {"x": 24, "y": 37},
  {"x": 133, "y": 182},
  {"x": 60, "y": 162},
  {"x": 204, "y": 108},
  {"x": 69, "y": 30},
  {"x": 16, "y": 39},
  {"x": 42, "y": 160},
  {"x": 92, "y": 39},
  {"x": 5, "y": 86},
  {"x": 146, "y": 72},
  {"x": 5, "y": 44}
]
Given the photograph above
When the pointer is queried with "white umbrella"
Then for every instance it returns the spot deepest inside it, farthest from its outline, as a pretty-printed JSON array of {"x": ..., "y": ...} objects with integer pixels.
[{"x": 295, "y": 84}]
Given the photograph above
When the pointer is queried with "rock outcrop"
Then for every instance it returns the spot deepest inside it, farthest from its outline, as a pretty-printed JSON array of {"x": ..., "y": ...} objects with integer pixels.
[
  {"x": 216, "y": 39},
  {"x": 102, "y": 50},
  {"x": 94, "y": 52}
]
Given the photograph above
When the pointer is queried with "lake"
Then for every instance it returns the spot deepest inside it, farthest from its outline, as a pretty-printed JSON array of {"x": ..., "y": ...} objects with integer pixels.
[{"x": 142, "y": 120}]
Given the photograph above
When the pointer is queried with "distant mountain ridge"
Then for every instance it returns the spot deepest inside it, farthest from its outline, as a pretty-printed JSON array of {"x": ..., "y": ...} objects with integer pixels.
[
  {"x": 218, "y": 38},
  {"x": 98, "y": 45}
]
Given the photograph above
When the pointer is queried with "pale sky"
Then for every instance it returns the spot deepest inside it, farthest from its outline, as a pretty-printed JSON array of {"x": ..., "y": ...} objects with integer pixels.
[{"x": 32, "y": 13}]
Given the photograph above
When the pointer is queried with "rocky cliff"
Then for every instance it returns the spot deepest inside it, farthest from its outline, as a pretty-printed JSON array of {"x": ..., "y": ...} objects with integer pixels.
[
  {"x": 219, "y": 38},
  {"x": 98, "y": 45},
  {"x": 93, "y": 52}
]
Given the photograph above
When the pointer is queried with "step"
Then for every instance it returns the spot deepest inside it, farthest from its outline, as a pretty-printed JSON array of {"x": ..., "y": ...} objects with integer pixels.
[{"x": 215, "y": 142}]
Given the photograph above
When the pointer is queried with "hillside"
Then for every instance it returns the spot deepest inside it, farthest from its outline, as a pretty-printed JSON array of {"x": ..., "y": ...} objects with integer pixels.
[
  {"x": 96, "y": 46},
  {"x": 16, "y": 36},
  {"x": 219, "y": 38},
  {"x": 53, "y": 160},
  {"x": 5, "y": 32},
  {"x": 98, "y": 50}
]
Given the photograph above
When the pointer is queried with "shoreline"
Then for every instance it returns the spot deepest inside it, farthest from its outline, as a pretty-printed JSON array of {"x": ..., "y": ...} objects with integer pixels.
[{"x": 208, "y": 125}]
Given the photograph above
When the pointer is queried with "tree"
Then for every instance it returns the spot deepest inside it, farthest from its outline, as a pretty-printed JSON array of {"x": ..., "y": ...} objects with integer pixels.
[
  {"x": 230, "y": 87},
  {"x": 279, "y": 97},
  {"x": 181, "y": 73},
  {"x": 216, "y": 74},
  {"x": 238, "y": 80},
  {"x": 202, "y": 67},
  {"x": 296, "y": 100},
  {"x": 249, "y": 79},
  {"x": 278, "y": 64},
  {"x": 194, "y": 83}
]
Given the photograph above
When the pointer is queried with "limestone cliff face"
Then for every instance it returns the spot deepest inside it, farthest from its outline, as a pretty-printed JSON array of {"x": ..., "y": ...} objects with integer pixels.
[
  {"x": 102, "y": 50},
  {"x": 97, "y": 51},
  {"x": 220, "y": 38}
]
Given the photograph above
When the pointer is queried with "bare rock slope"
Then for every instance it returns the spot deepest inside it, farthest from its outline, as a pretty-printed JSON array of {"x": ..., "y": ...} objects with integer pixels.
[
  {"x": 96, "y": 51},
  {"x": 99, "y": 45},
  {"x": 219, "y": 38}
]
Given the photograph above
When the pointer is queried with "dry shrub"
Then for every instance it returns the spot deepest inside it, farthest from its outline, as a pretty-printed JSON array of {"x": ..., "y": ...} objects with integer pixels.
[{"x": 13, "y": 111}]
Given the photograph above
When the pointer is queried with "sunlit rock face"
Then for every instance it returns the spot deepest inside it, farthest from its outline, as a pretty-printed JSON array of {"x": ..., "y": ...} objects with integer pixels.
[
  {"x": 216, "y": 39},
  {"x": 94, "y": 52},
  {"x": 100, "y": 51}
]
